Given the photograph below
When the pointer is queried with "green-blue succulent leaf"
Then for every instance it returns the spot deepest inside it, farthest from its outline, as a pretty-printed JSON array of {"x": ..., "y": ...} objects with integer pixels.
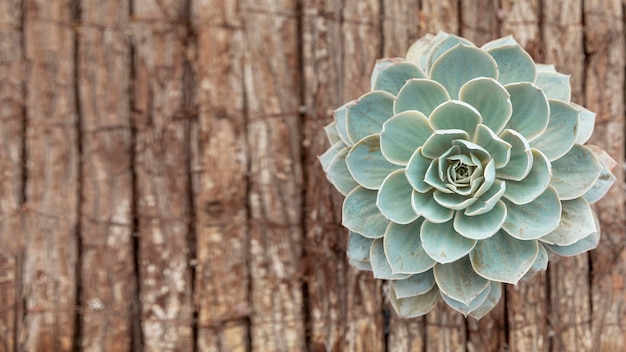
[
  {"x": 404, "y": 250},
  {"x": 577, "y": 222},
  {"x": 495, "y": 292},
  {"x": 463, "y": 308},
  {"x": 498, "y": 149},
  {"x": 534, "y": 184},
  {"x": 584, "y": 245},
  {"x": 587, "y": 120},
  {"x": 540, "y": 264},
  {"x": 500, "y": 42},
  {"x": 363, "y": 265},
  {"x": 361, "y": 215},
  {"x": 380, "y": 265},
  {"x": 440, "y": 141},
  {"x": 521, "y": 159},
  {"x": 414, "y": 306},
  {"x": 535, "y": 219},
  {"x": 367, "y": 115},
  {"x": 403, "y": 134},
  {"x": 531, "y": 111},
  {"x": 425, "y": 205},
  {"x": 331, "y": 133},
  {"x": 490, "y": 99},
  {"x": 338, "y": 174},
  {"x": 359, "y": 246},
  {"x": 455, "y": 114},
  {"x": 422, "y": 95},
  {"x": 443, "y": 243},
  {"x": 480, "y": 227},
  {"x": 575, "y": 172},
  {"x": 555, "y": 85},
  {"x": 601, "y": 186},
  {"x": 561, "y": 133},
  {"x": 416, "y": 171},
  {"x": 341, "y": 122},
  {"x": 366, "y": 163},
  {"x": 503, "y": 258},
  {"x": 514, "y": 64},
  {"x": 415, "y": 285},
  {"x": 330, "y": 154},
  {"x": 391, "y": 74},
  {"x": 459, "y": 281},
  {"x": 442, "y": 46},
  {"x": 487, "y": 201},
  {"x": 394, "y": 198}
]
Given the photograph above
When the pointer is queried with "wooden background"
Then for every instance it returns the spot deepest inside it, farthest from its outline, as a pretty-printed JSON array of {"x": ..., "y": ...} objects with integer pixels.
[{"x": 159, "y": 188}]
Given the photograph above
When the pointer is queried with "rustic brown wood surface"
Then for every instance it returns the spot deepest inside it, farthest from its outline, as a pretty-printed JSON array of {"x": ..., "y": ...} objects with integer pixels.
[{"x": 160, "y": 189}]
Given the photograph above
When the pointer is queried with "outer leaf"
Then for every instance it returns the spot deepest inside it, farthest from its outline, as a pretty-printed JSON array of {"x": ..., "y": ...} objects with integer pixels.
[
  {"x": 419, "y": 49},
  {"x": 482, "y": 226},
  {"x": 443, "y": 243},
  {"x": 403, "y": 134},
  {"x": 359, "y": 246},
  {"x": 425, "y": 205},
  {"x": 535, "y": 219},
  {"x": 404, "y": 250},
  {"x": 366, "y": 163},
  {"x": 500, "y": 42},
  {"x": 534, "y": 184},
  {"x": 531, "y": 111},
  {"x": 540, "y": 264},
  {"x": 561, "y": 133},
  {"x": 341, "y": 121},
  {"x": 367, "y": 115},
  {"x": 362, "y": 265},
  {"x": 584, "y": 245},
  {"x": 586, "y": 124},
  {"x": 422, "y": 95},
  {"x": 415, "y": 285},
  {"x": 514, "y": 64},
  {"x": 575, "y": 172},
  {"x": 392, "y": 77},
  {"x": 331, "y": 133},
  {"x": 338, "y": 174},
  {"x": 495, "y": 292},
  {"x": 577, "y": 222},
  {"x": 361, "y": 215},
  {"x": 330, "y": 154},
  {"x": 415, "y": 306},
  {"x": 491, "y": 99},
  {"x": 455, "y": 114},
  {"x": 601, "y": 186},
  {"x": 443, "y": 46},
  {"x": 521, "y": 159},
  {"x": 458, "y": 280},
  {"x": 503, "y": 258},
  {"x": 555, "y": 85},
  {"x": 460, "y": 64},
  {"x": 394, "y": 198},
  {"x": 380, "y": 265},
  {"x": 463, "y": 308}
]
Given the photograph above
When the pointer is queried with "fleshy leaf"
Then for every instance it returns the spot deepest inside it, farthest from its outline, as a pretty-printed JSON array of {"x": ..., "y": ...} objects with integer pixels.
[
  {"x": 561, "y": 133},
  {"x": 584, "y": 245},
  {"x": 416, "y": 171},
  {"x": 415, "y": 285},
  {"x": 601, "y": 186},
  {"x": 422, "y": 95},
  {"x": 403, "y": 134},
  {"x": 331, "y": 133},
  {"x": 521, "y": 159},
  {"x": 367, "y": 164},
  {"x": 503, "y": 258},
  {"x": 540, "y": 264},
  {"x": 443, "y": 243},
  {"x": 535, "y": 219},
  {"x": 394, "y": 198},
  {"x": 363, "y": 265},
  {"x": 440, "y": 141},
  {"x": 481, "y": 226},
  {"x": 359, "y": 246},
  {"x": 443, "y": 46},
  {"x": 500, "y": 42},
  {"x": 453, "y": 201},
  {"x": 432, "y": 177},
  {"x": 380, "y": 265},
  {"x": 497, "y": 148},
  {"x": 491, "y": 99},
  {"x": 495, "y": 293},
  {"x": 487, "y": 201},
  {"x": 514, "y": 64},
  {"x": 458, "y": 280},
  {"x": 418, "y": 50},
  {"x": 555, "y": 85},
  {"x": 404, "y": 250},
  {"x": 361, "y": 215},
  {"x": 534, "y": 184},
  {"x": 575, "y": 172},
  {"x": 392, "y": 77},
  {"x": 425, "y": 205},
  {"x": 367, "y": 115},
  {"x": 455, "y": 114},
  {"x": 415, "y": 306},
  {"x": 340, "y": 120},
  {"x": 330, "y": 154},
  {"x": 463, "y": 308},
  {"x": 461, "y": 64},
  {"x": 531, "y": 111},
  {"x": 586, "y": 123},
  {"x": 577, "y": 222},
  {"x": 338, "y": 174},
  {"x": 545, "y": 68}
]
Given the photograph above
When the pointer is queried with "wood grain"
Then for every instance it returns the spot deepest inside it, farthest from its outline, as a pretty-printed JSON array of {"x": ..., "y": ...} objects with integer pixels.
[
  {"x": 161, "y": 102},
  {"x": 106, "y": 177},
  {"x": 220, "y": 179}
]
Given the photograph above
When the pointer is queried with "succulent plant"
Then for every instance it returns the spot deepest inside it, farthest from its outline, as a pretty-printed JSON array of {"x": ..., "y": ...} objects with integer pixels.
[{"x": 464, "y": 168}]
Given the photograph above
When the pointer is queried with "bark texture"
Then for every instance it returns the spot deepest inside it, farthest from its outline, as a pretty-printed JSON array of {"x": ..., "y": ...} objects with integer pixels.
[{"x": 160, "y": 188}]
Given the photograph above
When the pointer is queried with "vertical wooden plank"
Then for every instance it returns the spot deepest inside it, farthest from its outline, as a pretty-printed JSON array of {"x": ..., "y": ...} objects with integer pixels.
[
  {"x": 362, "y": 45},
  {"x": 604, "y": 82},
  {"x": 161, "y": 102},
  {"x": 526, "y": 303},
  {"x": 480, "y": 24},
  {"x": 570, "y": 310},
  {"x": 107, "y": 265},
  {"x": 11, "y": 158},
  {"x": 400, "y": 29},
  {"x": 325, "y": 264},
  {"x": 49, "y": 287},
  {"x": 272, "y": 91},
  {"x": 438, "y": 15},
  {"x": 220, "y": 179}
]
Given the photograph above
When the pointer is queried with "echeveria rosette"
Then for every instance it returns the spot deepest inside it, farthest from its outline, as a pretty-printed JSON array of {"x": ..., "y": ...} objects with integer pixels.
[{"x": 463, "y": 169}]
